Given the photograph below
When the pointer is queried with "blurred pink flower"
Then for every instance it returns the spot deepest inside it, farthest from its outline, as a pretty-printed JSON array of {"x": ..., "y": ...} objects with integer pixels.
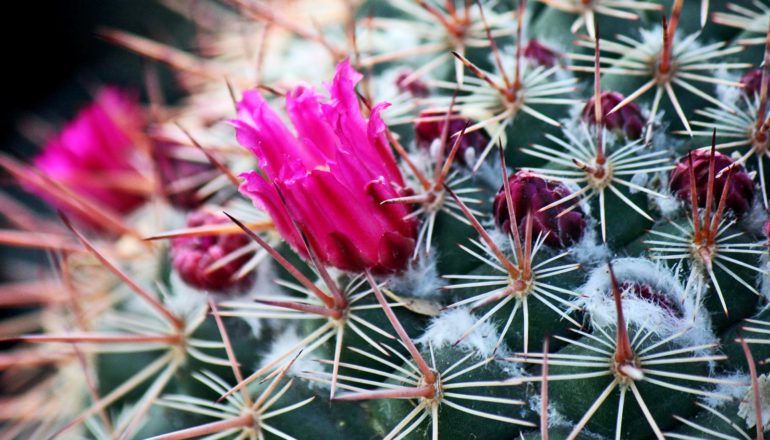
[
  {"x": 333, "y": 175},
  {"x": 94, "y": 155}
]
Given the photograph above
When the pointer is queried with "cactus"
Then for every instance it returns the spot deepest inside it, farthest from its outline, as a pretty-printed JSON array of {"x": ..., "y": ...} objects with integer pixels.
[{"x": 500, "y": 220}]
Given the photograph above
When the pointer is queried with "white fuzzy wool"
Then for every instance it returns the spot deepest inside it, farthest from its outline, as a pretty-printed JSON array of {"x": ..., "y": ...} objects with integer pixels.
[
  {"x": 728, "y": 389},
  {"x": 596, "y": 298},
  {"x": 421, "y": 279},
  {"x": 746, "y": 407},
  {"x": 286, "y": 341},
  {"x": 447, "y": 328}
]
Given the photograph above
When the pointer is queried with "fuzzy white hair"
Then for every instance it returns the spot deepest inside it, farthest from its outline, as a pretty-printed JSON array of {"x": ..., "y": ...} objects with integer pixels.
[
  {"x": 450, "y": 326},
  {"x": 596, "y": 299},
  {"x": 283, "y": 343},
  {"x": 420, "y": 280},
  {"x": 746, "y": 407}
]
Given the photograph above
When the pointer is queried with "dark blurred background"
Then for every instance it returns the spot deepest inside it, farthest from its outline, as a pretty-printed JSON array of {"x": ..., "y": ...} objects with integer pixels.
[{"x": 52, "y": 57}]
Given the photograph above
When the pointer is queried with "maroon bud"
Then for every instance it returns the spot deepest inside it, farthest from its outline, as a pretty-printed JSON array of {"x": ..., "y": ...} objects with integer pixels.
[
  {"x": 540, "y": 54},
  {"x": 627, "y": 121},
  {"x": 752, "y": 82},
  {"x": 426, "y": 132},
  {"x": 415, "y": 87},
  {"x": 192, "y": 257},
  {"x": 741, "y": 186},
  {"x": 182, "y": 176},
  {"x": 653, "y": 295},
  {"x": 529, "y": 193}
]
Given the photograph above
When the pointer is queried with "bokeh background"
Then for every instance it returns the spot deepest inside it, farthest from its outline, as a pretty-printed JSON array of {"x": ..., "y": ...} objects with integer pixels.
[{"x": 53, "y": 59}]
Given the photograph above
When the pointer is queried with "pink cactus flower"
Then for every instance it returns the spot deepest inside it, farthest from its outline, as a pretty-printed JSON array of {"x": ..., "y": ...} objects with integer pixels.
[
  {"x": 741, "y": 192},
  {"x": 529, "y": 193},
  {"x": 192, "y": 257},
  {"x": 95, "y": 155},
  {"x": 627, "y": 121},
  {"x": 333, "y": 175}
]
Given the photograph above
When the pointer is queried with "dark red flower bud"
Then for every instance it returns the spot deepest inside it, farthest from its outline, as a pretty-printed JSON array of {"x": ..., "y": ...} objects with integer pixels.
[
  {"x": 628, "y": 120},
  {"x": 529, "y": 193},
  {"x": 741, "y": 186},
  {"x": 181, "y": 174},
  {"x": 415, "y": 87},
  {"x": 426, "y": 132},
  {"x": 193, "y": 257},
  {"x": 539, "y": 54},
  {"x": 752, "y": 82},
  {"x": 653, "y": 295}
]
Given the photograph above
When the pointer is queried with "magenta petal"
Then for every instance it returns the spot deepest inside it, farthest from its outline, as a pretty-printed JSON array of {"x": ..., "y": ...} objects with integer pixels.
[
  {"x": 264, "y": 196},
  {"x": 318, "y": 139},
  {"x": 333, "y": 176},
  {"x": 260, "y": 130},
  {"x": 394, "y": 252}
]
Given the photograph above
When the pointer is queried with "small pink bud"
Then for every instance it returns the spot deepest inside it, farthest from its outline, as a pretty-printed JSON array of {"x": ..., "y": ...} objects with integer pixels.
[
  {"x": 627, "y": 121},
  {"x": 426, "y": 132},
  {"x": 741, "y": 191},
  {"x": 181, "y": 177},
  {"x": 330, "y": 178},
  {"x": 540, "y": 54},
  {"x": 415, "y": 87},
  {"x": 192, "y": 257},
  {"x": 752, "y": 82},
  {"x": 529, "y": 193}
]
